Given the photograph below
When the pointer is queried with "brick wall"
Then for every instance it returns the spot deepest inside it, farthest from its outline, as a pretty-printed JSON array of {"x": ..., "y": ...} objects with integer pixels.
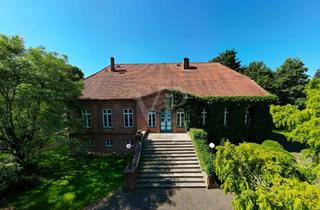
[{"x": 118, "y": 133}]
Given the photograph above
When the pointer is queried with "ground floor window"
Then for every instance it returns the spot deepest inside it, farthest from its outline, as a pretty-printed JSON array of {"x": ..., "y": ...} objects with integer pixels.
[
  {"x": 90, "y": 142},
  {"x": 152, "y": 119},
  {"x": 180, "y": 118},
  {"x": 130, "y": 141},
  {"x": 109, "y": 143}
]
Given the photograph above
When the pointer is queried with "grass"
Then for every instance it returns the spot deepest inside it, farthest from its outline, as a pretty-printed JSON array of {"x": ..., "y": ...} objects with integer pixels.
[{"x": 70, "y": 182}]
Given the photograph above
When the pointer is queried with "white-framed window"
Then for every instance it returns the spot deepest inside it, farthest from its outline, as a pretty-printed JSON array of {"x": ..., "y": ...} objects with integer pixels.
[
  {"x": 180, "y": 118},
  {"x": 107, "y": 118},
  {"x": 109, "y": 143},
  {"x": 128, "y": 118},
  {"x": 86, "y": 117},
  {"x": 151, "y": 119},
  {"x": 130, "y": 141}
]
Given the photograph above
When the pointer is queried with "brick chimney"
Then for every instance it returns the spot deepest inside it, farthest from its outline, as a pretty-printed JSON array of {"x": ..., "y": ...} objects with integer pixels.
[
  {"x": 113, "y": 68},
  {"x": 186, "y": 64}
]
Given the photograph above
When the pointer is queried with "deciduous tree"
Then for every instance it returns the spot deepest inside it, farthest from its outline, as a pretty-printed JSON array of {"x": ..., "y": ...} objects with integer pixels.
[
  {"x": 38, "y": 95},
  {"x": 317, "y": 74},
  {"x": 302, "y": 125}
]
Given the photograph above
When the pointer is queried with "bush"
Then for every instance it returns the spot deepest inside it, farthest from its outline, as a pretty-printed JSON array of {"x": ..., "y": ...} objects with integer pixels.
[
  {"x": 262, "y": 177},
  {"x": 9, "y": 172},
  {"x": 198, "y": 133},
  {"x": 273, "y": 144},
  {"x": 199, "y": 139}
]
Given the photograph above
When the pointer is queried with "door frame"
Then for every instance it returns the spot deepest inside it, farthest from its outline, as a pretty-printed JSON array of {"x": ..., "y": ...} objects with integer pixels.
[{"x": 166, "y": 127}]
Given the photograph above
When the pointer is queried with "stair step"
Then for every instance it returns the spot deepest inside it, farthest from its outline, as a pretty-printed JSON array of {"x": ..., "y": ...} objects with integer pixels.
[
  {"x": 168, "y": 146},
  {"x": 173, "y": 162},
  {"x": 171, "y": 185},
  {"x": 170, "y": 180},
  {"x": 168, "y": 174},
  {"x": 168, "y": 142},
  {"x": 168, "y": 152},
  {"x": 163, "y": 158},
  {"x": 167, "y": 155},
  {"x": 170, "y": 170},
  {"x": 197, "y": 166},
  {"x": 168, "y": 149}
]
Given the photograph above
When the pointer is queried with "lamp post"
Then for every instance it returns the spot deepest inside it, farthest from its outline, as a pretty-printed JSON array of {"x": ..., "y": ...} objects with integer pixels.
[
  {"x": 211, "y": 174},
  {"x": 128, "y": 146},
  {"x": 212, "y": 146}
]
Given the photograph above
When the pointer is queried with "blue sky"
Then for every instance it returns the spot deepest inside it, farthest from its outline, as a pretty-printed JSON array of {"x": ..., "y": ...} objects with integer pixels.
[{"x": 138, "y": 31}]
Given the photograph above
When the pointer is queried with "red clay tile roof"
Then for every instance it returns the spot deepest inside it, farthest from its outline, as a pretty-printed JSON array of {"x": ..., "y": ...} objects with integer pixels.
[{"x": 131, "y": 81}]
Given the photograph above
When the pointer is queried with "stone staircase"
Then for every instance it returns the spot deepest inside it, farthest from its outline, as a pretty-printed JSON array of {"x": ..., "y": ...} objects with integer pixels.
[{"x": 169, "y": 160}]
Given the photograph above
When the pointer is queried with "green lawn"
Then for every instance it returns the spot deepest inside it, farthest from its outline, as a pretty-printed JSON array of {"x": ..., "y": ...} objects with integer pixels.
[{"x": 70, "y": 183}]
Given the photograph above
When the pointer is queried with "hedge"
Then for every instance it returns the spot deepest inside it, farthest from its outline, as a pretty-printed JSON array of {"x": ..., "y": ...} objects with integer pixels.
[
  {"x": 199, "y": 139},
  {"x": 259, "y": 126}
]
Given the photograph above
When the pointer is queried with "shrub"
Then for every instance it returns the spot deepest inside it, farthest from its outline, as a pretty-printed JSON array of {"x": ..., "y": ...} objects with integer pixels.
[
  {"x": 273, "y": 144},
  {"x": 262, "y": 177},
  {"x": 9, "y": 172},
  {"x": 199, "y": 139},
  {"x": 198, "y": 133}
]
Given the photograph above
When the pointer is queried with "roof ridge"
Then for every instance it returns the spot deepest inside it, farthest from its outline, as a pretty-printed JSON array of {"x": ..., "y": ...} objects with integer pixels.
[{"x": 200, "y": 62}]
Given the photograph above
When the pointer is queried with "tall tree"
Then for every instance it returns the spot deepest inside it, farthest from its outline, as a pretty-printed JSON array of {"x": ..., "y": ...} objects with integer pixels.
[
  {"x": 229, "y": 59},
  {"x": 317, "y": 74},
  {"x": 38, "y": 91},
  {"x": 290, "y": 81},
  {"x": 263, "y": 75}
]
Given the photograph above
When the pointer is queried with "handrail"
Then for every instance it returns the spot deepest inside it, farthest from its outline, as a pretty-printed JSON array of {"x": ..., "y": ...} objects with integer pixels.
[
  {"x": 130, "y": 172},
  {"x": 137, "y": 153}
]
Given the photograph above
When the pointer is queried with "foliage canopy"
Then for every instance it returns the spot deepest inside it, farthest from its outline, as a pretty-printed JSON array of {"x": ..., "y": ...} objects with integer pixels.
[
  {"x": 38, "y": 95},
  {"x": 302, "y": 125}
]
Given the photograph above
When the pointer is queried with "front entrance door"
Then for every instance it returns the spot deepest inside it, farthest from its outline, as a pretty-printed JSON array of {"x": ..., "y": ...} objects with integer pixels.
[{"x": 165, "y": 121}]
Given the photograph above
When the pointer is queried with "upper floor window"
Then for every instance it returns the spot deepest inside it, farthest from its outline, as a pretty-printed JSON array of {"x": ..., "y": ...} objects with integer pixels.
[
  {"x": 180, "y": 118},
  {"x": 128, "y": 118},
  {"x": 107, "y": 118},
  {"x": 109, "y": 143},
  {"x": 86, "y": 117},
  {"x": 151, "y": 119}
]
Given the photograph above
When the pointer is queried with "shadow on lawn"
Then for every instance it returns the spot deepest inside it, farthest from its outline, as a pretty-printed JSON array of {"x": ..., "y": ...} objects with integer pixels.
[
  {"x": 69, "y": 182},
  {"x": 287, "y": 145},
  {"x": 141, "y": 198}
]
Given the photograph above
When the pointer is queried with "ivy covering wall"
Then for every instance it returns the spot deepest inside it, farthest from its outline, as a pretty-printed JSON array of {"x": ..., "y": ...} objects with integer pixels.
[{"x": 259, "y": 121}]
